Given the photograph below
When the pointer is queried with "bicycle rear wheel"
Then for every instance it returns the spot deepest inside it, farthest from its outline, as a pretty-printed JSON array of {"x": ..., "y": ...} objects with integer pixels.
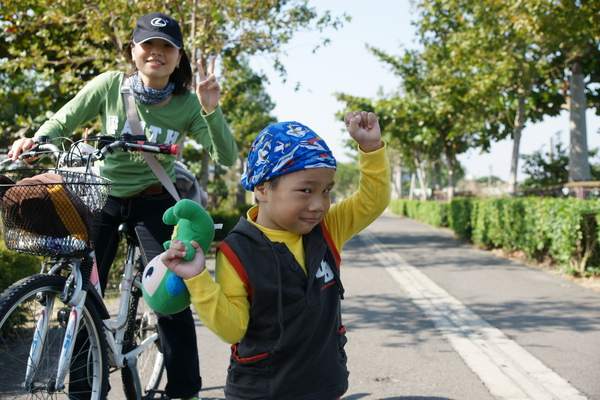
[
  {"x": 20, "y": 307},
  {"x": 142, "y": 324}
]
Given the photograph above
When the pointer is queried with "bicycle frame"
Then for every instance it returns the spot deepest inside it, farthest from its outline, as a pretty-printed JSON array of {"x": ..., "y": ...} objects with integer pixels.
[
  {"x": 77, "y": 288},
  {"x": 74, "y": 295},
  {"x": 115, "y": 328}
]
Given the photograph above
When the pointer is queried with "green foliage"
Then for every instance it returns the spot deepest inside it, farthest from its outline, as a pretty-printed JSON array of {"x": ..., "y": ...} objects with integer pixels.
[
  {"x": 398, "y": 207},
  {"x": 499, "y": 222},
  {"x": 245, "y": 103},
  {"x": 484, "y": 180},
  {"x": 229, "y": 218},
  {"x": 486, "y": 67},
  {"x": 430, "y": 212},
  {"x": 50, "y": 49},
  {"x": 459, "y": 217},
  {"x": 574, "y": 234},
  {"x": 552, "y": 168},
  {"x": 546, "y": 169},
  {"x": 15, "y": 266},
  {"x": 566, "y": 230},
  {"x": 347, "y": 177}
]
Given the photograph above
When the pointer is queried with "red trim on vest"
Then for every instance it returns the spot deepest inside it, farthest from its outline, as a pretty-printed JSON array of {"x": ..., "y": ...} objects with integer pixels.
[
  {"x": 334, "y": 250},
  {"x": 239, "y": 268},
  {"x": 241, "y": 271},
  {"x": 235, "y": 355}
]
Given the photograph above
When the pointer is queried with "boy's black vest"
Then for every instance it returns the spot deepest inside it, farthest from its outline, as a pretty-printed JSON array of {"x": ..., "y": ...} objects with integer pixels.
[{"x": 294, "y": 346}]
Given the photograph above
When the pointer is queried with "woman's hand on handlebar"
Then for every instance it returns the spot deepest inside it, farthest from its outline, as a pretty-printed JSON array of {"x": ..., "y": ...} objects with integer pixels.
[{"x": 19, "y": 147}]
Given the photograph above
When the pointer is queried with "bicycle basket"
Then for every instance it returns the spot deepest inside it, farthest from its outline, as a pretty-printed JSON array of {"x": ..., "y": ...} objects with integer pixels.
[{"x": 51, "y": 212}]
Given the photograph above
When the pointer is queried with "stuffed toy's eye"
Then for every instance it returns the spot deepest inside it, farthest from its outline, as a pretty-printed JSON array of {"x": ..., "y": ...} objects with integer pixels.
[
  {"x": 153, "y": 275},
  {"x": 148, "y": 272}
]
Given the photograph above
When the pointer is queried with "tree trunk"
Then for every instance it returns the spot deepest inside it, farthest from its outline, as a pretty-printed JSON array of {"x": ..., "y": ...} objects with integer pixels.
[
  {"x": 240, "y": 191},
  {"x": 395, "y": 160},
  {"x": 451, "y": 181},
  {"x": 411, "y": 191},
  {"x": 579, "y": 167},
  {"x": 421, "y": 177},
  {"x": 514, "y": 162},
  {"x": 398, "y": 182},
  {"x": 437, "y": 177}
]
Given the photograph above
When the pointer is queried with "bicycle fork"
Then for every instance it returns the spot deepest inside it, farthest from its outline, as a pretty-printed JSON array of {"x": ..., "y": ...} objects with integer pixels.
[
  {"x": 39, "y": 339},
  {"x": 66, "y": 352},
  {"x": 73, "y": 296}
]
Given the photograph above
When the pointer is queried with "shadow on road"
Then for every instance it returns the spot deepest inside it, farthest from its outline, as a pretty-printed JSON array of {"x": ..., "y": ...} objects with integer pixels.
[
  {"x": 359, "y": 396},
  {"x": 386, "y": 312}
]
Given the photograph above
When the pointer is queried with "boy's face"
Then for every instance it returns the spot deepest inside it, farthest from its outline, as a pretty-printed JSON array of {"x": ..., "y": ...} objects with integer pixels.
[{"x": 298, "y": 202}]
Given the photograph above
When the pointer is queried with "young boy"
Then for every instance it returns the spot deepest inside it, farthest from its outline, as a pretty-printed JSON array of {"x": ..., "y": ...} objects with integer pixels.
[{"x": 277, "y": 289}]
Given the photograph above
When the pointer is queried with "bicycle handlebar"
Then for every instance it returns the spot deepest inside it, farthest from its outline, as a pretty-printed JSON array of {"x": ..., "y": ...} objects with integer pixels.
[
  {"x": 150, "y": 147},
  {"x": 107, "y": 144},
  {"x": 35, "y": 151},
  {"x": 130, "y": 143}
]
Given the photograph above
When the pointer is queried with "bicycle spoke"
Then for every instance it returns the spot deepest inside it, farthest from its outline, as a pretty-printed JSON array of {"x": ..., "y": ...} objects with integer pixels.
[{"x": 19, "y": 311}]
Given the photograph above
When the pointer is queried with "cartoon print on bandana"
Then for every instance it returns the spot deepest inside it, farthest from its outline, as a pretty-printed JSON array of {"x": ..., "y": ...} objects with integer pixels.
[
  {"x": 297, "y": 131},
  {"x": 285, "y": 147}
]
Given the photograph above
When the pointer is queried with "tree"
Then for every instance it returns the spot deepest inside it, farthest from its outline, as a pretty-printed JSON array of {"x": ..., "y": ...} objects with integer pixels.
[
  {"x": 346, "y": 180},
  {"x": 500, "y": 49},
  {"x": 433, "y": 116},
  {"x": 572, "y": 39},
  {"x": 546, "y": 169},
  {"x": 58, "y": 46},
  {"x": 246, "y": 106},
  {"x": 552, "y": 168}
]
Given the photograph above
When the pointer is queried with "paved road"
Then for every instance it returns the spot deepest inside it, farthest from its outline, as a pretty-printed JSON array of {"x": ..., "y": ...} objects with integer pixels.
[{"x": 430, "y": 317}]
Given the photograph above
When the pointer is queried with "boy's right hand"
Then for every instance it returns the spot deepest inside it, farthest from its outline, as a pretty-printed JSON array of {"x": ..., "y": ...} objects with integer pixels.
[
  {"x": 364, "y": 129},
  {"x": 173, "y": 259}
]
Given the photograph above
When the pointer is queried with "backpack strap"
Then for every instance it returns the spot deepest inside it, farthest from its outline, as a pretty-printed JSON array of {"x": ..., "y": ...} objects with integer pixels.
[
  {"x": 241, "y": 271},
  {"x": 334, "y": 250},
  {"x": 136, "y": 128},
  {"x": 239, "y": 268}
]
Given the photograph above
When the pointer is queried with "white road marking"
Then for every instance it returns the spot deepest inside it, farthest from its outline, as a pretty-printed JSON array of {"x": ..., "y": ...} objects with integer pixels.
[{"x": 507, "y": 370}]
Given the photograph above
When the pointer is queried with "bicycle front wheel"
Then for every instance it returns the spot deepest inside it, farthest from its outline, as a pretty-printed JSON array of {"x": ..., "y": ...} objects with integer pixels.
[
  {"x": 141, "y": 325},
  {"x": 21, "y": 307}
]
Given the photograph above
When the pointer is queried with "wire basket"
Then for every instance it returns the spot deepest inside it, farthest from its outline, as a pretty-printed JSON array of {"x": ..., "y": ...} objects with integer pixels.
[{"x": 50, "y": 219}]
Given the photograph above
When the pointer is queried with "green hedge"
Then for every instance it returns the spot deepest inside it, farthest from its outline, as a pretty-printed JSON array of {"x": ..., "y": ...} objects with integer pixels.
[
  {"x": 14, "y": 266},
  {"x": 565, "y": 230},
  {"x": 229, "y": 219},
  {"x": 433, "y": 213}
]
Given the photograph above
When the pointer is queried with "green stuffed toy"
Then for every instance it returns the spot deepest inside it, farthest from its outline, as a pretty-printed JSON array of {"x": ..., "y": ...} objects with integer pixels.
[{"x": 164, "y": 291}]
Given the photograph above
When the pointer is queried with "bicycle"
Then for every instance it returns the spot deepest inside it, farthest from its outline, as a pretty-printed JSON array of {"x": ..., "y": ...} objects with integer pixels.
[{"x": 57, "y": 338}]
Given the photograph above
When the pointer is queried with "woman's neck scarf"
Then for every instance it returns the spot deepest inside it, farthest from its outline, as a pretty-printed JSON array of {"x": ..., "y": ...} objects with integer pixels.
[{"x": 145, "y": 94}]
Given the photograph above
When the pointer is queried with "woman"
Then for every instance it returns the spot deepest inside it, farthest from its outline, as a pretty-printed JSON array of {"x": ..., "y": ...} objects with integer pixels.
[{"x": 168, "y": 110}]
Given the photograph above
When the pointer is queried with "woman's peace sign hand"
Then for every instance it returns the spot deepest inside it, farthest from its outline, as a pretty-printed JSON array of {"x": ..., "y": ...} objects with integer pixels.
[{"x": 208, "y": 90}]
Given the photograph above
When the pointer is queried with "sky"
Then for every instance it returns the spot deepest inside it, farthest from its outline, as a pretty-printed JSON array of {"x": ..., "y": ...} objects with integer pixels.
[{"x": 346, "y": 66}]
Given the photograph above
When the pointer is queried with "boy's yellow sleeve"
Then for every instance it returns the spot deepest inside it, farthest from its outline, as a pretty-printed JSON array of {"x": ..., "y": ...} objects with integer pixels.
[
  {"x": 350, "y": 216},
  {"x": 222, "y": 304}
]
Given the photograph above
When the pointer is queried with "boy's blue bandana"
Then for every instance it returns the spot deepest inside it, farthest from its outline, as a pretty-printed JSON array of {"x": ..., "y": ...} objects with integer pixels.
[{"x": 282, "y": 148}]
